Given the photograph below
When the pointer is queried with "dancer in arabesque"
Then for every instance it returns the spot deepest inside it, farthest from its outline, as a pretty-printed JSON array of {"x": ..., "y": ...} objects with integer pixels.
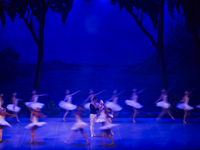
[
  {"x": 133, "y": 102},
  {"x": 14, "y": 106},
  {"x": 184, "y": 104},
  {"x": 113, "y": 105},
  {"x": 33, "y": 104},
  {"x": 67, "y": 103},
  {"x": 163, "y": 103}
]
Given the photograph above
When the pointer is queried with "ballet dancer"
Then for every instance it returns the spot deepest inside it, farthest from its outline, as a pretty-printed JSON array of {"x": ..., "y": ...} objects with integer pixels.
[
  {"x": 163, "y": 103},
  {"x": 78, "y": 126},
  {"x": 33, "y": 104},
  {"x": 93, "y": 115},
  {"x": 133, "y": 102},
  {"x": 184, "y": 104},
  {"x": 113, "y": 105},
  {"x": 90, "y": 97},
  {"x": 102, "y": 116},
  {"x": 108, "y": 126},
  {"x": 13, "y": 107},
  {"x": 66, "y": 103},
  {"x": 35, "y": 124},
  {"x": 1, "y": 100},
  {"x": 3, "y": 123}
]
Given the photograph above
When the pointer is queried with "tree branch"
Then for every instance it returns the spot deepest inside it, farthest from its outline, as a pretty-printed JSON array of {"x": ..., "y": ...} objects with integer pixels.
[
  {"x": 31, "y": 30},
  {"x": 143, "y": 29},
  {"x": 28, "y": 14},
  {"x": 141, "y": 17}
]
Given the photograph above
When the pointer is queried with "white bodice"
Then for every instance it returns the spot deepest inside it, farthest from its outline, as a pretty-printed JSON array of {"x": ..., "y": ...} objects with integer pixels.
[
  {"x": 134, "y": 97},
  {"x": 115, "y": 99},
  {"x": 186, "y": 100},
  {"x": 35, "y": 98},
  {"x": 78, "y": 118},
  {"x": 35, "y": 119},
  {"x": 15, "y": 101},
  {"x": 68, "y": 98},
  {"x": 165, "y": 98}
]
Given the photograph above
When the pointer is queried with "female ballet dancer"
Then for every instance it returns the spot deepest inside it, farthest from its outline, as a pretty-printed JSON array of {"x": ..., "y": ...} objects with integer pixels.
[
  {"x": 133, "y": 102},
  {"x": 13, "y": 107},
  {"x": 66, "y": 103},
  {"x": 184, "y": 104},
  {"x": 113, "y": 105},
  {"x": 3, "y": 123},
  {"x": 78, "y": 126},
  {"x": 164, "y": 104},
  {"x": 102, "y": 116},
  {"x": 1, "y": 100},
  {"x": 90, "y": 97},
  {"x": 108, "y": 126},
  {"x": 35, "y": 124},
  {"x": 33, "y": 104}
]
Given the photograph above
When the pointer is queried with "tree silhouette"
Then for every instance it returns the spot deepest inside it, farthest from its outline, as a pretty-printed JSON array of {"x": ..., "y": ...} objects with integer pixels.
[
  {"x": 26, "y": 9},
  {"x": 155, "y": 10}
]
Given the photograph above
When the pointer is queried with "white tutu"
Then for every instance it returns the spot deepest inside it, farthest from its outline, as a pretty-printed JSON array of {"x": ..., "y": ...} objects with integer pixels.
[
  {"x": 101, "y": 119},
  {"x": 108, "y": 126},
  {"x": 38, "y": 124},
  {"x": 79, "y": 125},
  {"x": 133, "y": 104},
  {"x": 198, "y": 106},
  {"x": 4, "y": 123},
  {"x": 113, "y": 106},
  {"x": 163, "y": 104},
  {"x": 15, "y": 109},
  {"x": 87, "y": 106},
  {"x": 184, "y": 106},
  {"x": 34, "y": 105},
  {"x": 67, "y": 106}
]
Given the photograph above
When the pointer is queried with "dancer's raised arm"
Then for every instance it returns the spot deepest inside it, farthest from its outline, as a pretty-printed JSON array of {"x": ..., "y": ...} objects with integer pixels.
[
  {"x": 99, "y": 92},
  {"x": 141, "y": 90},
  {"x": 75, "y": 92}
]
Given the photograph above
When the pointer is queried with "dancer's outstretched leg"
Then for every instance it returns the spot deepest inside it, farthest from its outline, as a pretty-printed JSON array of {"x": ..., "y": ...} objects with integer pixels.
[
  {"x": 161, "y": 114},
  {"x": 71, "y": 136},
  {"x": 168, "y": 111},
  {"x": 134, "y": 115},
  {"x": 185, "y": 115},
  {"x": 32, "y": 133}
]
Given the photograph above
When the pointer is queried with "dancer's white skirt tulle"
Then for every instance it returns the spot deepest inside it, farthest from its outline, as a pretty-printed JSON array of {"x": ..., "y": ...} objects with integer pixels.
[
  {"x": 113, "y": 106},
  {"x": 4, "y": 123},
  {"x": 108, "y": 126},
  {"x": 184, "y": 106},
  {"x": 198, "y": 106},
  {"x": 67, "y": 106},
  {"x": 34, "y": 105},
  {"x": 101, "y": 118},
  {"x": 79, "y": 125},
  {"x": 87, "y": 106},
  {"x": 38, "y": 124},
  {"x": 133, "y": 104},
  {"x": 164, "y": 105},
  {"x": 12, "y": 108}
]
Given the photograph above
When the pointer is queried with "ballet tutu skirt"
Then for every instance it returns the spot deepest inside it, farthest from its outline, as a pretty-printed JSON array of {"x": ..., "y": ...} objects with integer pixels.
[
  {"x": 198, "y": 106},
  {"x": 164, "y": 105},
  {"x": 4, "y": 123},
  {"x": 184, "y": 106},
  {"x": 34, "y": 105},
  {"x": 38, "y": 124},
  {"x": 101, "y": 118},
  {"x": 113, "y": 106},
  {"x": 15, "y": 109},
  {"x": 87, "y": 106},
  {"x": 108, "y": 126},
  {"x": 67, "y": 106},
  {"x": 133, "y": 104},
  {"x": 79, "y": 125}
]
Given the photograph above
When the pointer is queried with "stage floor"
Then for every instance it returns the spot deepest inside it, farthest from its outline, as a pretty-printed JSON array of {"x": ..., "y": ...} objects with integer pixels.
[{"x": 145, "y": 134}]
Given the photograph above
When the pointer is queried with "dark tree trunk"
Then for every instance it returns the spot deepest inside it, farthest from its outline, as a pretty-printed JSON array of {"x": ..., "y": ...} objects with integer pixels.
[
  {"x": 38, "y": 72},
  {"x": 159, "y": 48}
]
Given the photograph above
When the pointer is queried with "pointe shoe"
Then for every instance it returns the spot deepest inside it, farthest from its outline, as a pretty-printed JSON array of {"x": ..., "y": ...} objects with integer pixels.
[
  {"x": 173, "y": 119},
  {"x": 111, "y": 144},
  {"x": 184, "y": 122},
  {"x": 134, "y": 121},
  {"x": 94, "y": 135},
  {"x": 88, "y": 142},
  {"x": 31, "y": 142},
  {"x": 18, "y": 121},
  {"x": 64, "y": 120}
]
